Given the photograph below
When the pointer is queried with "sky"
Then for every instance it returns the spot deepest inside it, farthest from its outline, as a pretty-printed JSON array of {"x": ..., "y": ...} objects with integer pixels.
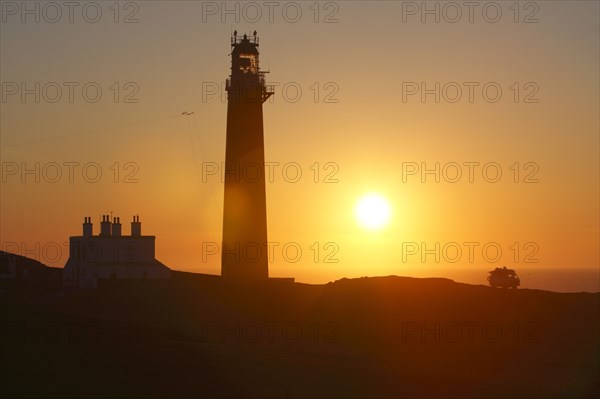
[{"x": 477, "y": 123}]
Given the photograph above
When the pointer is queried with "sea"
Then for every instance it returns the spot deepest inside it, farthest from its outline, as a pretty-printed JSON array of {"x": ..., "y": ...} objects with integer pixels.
[{"x": 548, "y": 279}]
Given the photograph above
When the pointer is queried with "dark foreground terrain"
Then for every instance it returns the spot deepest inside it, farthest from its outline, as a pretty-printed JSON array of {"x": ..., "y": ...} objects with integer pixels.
[{"x": 198, "y": 337}]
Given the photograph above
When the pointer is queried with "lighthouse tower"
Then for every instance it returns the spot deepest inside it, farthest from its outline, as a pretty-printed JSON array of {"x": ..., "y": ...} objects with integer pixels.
[{"x": 244, "y": 252}]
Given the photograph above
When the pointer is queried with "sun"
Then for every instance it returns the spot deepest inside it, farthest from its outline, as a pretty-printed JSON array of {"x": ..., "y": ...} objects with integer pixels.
[{"x": 373, "y": 211}]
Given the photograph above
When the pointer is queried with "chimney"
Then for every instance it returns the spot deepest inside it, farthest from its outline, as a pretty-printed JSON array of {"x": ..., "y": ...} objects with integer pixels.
[
  {"x": 136, "y": 227},
  {"x": 87, "y": 227},
  {"x": 116, "y": 227},
  {"x": 105, "y": 226}
]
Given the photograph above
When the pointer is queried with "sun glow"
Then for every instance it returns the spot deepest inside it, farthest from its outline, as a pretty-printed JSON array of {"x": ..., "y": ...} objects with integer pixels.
[{"x": 373, "y": 211}]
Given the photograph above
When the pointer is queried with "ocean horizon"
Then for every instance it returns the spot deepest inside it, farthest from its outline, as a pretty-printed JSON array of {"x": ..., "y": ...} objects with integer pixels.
[{"x": 548, "y": 279}]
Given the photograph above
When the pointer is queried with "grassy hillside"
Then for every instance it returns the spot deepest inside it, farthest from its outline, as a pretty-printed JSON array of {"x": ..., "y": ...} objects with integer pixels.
[{"x": 198, "y": 336}]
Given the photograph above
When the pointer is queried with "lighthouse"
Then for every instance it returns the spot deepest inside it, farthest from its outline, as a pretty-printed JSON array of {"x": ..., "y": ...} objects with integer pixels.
[{"x": 244, "y": 252}]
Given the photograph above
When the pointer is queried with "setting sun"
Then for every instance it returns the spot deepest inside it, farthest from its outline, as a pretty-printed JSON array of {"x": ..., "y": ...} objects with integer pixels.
[{"x": 373, "y": 211}]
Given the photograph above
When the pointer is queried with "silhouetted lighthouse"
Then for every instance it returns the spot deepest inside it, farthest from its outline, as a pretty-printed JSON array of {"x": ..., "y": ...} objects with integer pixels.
[{"x": 244, "y": 255}]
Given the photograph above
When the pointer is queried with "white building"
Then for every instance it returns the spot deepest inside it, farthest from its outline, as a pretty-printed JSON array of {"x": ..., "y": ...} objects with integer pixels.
[{"x": 111, "y": 255}]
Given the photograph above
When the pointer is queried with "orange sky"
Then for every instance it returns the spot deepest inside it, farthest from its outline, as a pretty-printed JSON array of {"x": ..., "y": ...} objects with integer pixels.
[{"x": 358, "y": 122}]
